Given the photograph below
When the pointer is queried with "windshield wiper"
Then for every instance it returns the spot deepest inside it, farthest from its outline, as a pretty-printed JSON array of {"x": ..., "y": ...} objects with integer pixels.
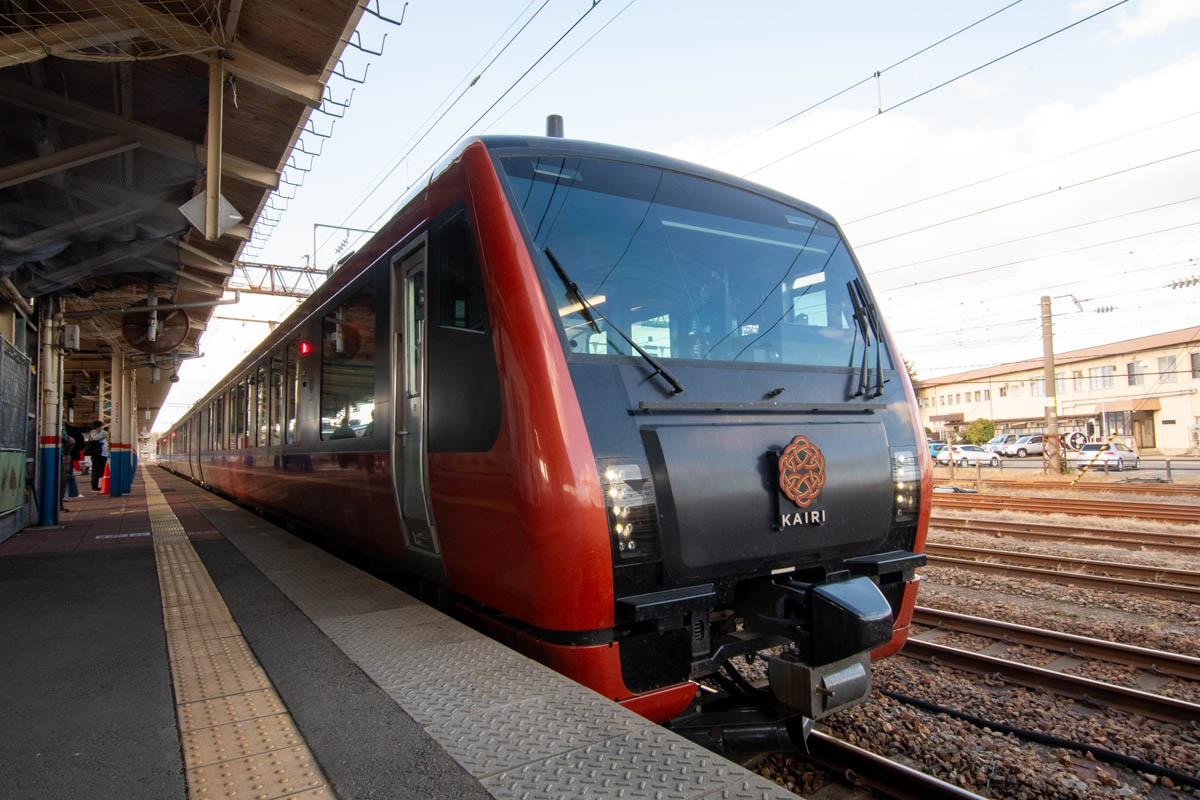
[
  {"x": 590, "y": 314},
  {"x": 863, "y": 327},
  {"x": 877, "y": 328}
]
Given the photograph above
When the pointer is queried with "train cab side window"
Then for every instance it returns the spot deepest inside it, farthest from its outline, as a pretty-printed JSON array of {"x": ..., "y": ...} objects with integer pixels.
[
  {"x": 276, "y": 400},
  {"x": 348, "y": 368},
  {"x": 291, "y": 388},
  {"x": 219, "y": 422},
  {"x": 261, "y": 419},
  {"x": 240, "y": 405},
  {"x": 460, "y": 284}
]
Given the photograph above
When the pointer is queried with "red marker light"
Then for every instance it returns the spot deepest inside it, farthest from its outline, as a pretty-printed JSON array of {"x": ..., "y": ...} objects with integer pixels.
[
  {"x": 305, "y": 348},
  {"x": 172, "y": 435}
]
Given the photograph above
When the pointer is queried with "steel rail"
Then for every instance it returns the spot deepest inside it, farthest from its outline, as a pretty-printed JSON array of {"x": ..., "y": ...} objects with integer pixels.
[
  {"x": 1138, "y": 572},
  {"x": 1174, "y": 542},
  {"x": 891, "y": 778},
  {"x": 1186, "y": 594},
  {"x": 1138, "y": 488},
  {"x": 1158, "y": 661},
  {"x": 1104, "y": 695},
  {"x": 1163, "y": 512}
]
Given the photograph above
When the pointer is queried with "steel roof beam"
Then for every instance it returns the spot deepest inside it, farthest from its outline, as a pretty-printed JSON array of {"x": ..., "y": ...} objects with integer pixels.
[
  {"x": 64, "y": 159},
  {"x": 151, "y": 138}
]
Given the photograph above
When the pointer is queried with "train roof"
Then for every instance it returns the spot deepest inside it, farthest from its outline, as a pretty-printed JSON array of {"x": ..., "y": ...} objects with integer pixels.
[{"x": 514, "y": 145}]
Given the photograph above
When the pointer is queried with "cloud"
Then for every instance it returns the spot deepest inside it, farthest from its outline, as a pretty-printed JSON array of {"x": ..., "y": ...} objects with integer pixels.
[{"x": 1143, "y": 19}]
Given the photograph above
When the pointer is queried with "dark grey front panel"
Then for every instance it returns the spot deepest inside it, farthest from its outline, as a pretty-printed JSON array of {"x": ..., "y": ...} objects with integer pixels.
[{"x": 720, "y": 503}]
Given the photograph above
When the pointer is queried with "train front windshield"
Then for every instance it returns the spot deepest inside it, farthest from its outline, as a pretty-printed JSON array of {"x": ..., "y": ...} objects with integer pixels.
[{"x": 689, "y": 268}]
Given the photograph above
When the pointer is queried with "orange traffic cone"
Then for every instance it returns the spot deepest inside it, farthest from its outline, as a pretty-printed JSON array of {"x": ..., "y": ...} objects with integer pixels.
[{"x": 104, "y": 486}]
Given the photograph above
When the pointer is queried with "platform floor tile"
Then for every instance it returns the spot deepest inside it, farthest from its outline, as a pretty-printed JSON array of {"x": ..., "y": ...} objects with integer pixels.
[{"x": 236, "y": 735}]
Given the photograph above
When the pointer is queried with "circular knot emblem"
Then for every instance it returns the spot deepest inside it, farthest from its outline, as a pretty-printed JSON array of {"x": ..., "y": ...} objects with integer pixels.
[{"x": 802, "y": 471}]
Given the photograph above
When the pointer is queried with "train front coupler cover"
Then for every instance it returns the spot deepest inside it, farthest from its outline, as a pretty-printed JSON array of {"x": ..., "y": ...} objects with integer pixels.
[{"x": 832, "y": 628}]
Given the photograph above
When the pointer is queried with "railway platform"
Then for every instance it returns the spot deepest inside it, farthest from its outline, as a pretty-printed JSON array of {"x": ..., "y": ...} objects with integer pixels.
[{"x": 168, "y": 643}]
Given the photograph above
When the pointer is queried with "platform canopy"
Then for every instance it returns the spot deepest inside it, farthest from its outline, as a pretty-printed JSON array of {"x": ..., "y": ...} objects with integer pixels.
[{"x": 115, "y": 113}]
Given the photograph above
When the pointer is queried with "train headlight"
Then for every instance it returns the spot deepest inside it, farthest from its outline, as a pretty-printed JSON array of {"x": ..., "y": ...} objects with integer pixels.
[
  {"x": 906, "y": 478},
  {"x": 632, "y": 512}
]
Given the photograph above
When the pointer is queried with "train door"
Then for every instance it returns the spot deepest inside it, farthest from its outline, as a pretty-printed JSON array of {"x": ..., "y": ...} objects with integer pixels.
[{"x": 410, "y": 475}]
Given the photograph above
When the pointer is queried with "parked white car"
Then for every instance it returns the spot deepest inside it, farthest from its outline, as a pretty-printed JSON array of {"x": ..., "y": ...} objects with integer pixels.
[
  {"x": 968, "y": 454},
  {"x": 1025, "y": 446},
  {"x": 1116, "y": 456}
]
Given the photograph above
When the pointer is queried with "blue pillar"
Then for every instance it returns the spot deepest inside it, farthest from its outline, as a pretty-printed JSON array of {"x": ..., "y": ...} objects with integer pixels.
[
  {"x": 49, "y": 489},
  {"x": 114, "y": 470},
  {"x": 127, "y": 469}
]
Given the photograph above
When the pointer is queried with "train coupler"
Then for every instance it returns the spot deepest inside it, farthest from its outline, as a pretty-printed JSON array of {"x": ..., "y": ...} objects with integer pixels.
[{"x": 817, "y": 692}]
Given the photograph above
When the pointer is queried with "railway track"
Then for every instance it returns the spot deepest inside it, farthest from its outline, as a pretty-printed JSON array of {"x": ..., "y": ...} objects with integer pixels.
[
  {"x": 1168, "y": 591},
  {"x": 1158, "y": 661},
  {"x": 863, "y": 768},
  {"x": 1098, "y": 693},
  {"x": 1161, "y": 512},
  {"x": 1183, "y": 490},
  {"x": 1138, "y": 572},
  {"x": 1172, "y": 542}
]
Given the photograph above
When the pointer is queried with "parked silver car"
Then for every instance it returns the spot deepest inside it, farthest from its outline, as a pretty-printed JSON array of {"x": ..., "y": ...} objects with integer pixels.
[
  {"x": 997, "y": 443},
  {"x": 1025, "y": 446}
]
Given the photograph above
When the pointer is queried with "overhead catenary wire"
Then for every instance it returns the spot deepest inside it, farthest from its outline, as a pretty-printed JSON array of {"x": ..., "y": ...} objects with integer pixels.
[
  {"x": 980, "y": 270},
  {"x": 391, "y": 206},
  {"x": 396, "y": 162},
  {"x": 941, "y": 85},
  {"x": 997, "y": 176},
  {"x": 1027, "y": 237},
  {"x": 873, "y": 76},
  {"x": 1028, "y": 198},
  {"x": 560, "y": 64}
]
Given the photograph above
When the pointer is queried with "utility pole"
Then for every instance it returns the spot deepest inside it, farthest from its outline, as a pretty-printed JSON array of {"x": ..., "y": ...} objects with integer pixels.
[{"x": 1050, "y": 445}]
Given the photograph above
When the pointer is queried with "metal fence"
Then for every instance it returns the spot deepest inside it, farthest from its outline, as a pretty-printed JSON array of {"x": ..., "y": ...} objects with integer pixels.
[{"x": 15, "y": 377}]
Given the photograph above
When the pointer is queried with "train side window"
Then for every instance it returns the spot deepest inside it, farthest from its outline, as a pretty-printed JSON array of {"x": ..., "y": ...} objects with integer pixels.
[
  {"x": 461, "y": 302},
  {"x": 240, "y": 403},
  {"x": 291, "y": 385},
  {"x": 276, "y": 398},
  {"x": 348, "y": 368},
  {"x": 219, "y": 423},
  {"x": 261, "y": 419}
]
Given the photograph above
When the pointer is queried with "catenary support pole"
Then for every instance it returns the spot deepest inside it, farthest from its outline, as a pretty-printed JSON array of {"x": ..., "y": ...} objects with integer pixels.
[{"x": 1050, "y": 441}]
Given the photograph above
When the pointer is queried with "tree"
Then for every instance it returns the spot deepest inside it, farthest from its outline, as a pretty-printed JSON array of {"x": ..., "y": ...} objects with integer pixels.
[
  {"x": 980, "y": 431},
  {"x": 912, "y": 370}
]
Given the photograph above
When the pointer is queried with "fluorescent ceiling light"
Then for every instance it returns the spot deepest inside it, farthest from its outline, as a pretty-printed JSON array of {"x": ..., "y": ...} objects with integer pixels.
[
  {"x": 731, "y": 235},
  {"x": 594, "y": 300},
  {"x": 808, "y": 280}
]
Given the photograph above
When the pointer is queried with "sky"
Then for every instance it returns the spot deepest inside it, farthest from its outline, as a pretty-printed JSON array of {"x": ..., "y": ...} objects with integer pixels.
[{"x": 969, "y": 179}]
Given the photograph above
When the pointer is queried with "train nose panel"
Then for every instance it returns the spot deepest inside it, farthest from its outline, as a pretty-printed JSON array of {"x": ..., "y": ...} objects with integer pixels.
[{"x": 768, "y": 494}]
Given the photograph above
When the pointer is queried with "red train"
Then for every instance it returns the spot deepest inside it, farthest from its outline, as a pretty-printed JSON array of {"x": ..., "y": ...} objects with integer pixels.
[{"x": 632, "y": 416}]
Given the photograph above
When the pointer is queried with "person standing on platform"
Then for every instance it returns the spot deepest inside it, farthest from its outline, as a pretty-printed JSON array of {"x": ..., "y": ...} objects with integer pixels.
[
  {"x": 98, "y": 442},
  {"x": 66, "y": 474}
]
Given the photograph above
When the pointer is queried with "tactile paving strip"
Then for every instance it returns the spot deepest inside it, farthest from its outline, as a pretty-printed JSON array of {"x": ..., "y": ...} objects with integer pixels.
[{"x": 238, "y": 739}]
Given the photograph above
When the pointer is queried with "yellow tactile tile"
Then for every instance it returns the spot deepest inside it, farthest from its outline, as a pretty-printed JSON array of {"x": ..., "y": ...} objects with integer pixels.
[
  {"x": 277, "y": 773},
  {"x": 205, "y": 746},
  {"x": 238, "y": 739},
  {"x": 231, "y": 708}
]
